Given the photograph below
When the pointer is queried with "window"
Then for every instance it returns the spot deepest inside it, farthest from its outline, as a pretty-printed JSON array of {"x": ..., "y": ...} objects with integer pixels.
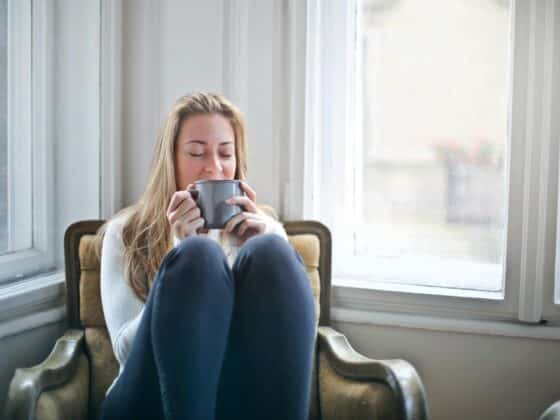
[
  {"x": 50, "y": 84},
  {"x": 429, "y": 153},
  {"x": 433, "y": 189},
  {"x": 18, "y": 256},
  {"x": 51, "y": 133}
]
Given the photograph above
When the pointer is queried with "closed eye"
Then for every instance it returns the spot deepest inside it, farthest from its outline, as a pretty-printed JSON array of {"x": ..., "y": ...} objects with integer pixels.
[{"x": 226, "y": 156}]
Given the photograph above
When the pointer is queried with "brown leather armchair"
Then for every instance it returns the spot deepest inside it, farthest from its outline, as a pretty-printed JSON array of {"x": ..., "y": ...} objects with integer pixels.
[{"x": 71, "y": 382}]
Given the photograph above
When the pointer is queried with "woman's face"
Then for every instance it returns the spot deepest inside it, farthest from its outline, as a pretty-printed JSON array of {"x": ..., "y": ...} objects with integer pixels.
[{"x": 205, "y": 149}]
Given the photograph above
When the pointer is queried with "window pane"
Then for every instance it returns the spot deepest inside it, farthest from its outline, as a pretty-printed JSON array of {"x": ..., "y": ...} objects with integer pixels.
[
  {"x": 3, "y": 126},
  {"x": 435, "y": 76}
]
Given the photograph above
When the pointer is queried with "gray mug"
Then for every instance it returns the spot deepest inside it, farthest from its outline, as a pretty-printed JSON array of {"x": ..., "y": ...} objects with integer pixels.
[{"x": 210, "y": 196}]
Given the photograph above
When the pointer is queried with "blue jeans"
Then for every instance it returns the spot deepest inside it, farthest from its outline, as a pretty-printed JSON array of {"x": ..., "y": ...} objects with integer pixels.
[{"x": 221, "y": 343}]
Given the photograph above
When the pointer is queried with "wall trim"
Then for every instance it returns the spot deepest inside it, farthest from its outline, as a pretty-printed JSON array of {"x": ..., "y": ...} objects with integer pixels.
[
  {"x": 463, "y": 326},
  {"x": 32, "y": 303},
  {"x": 110, "y": 107},
  {"x": 291, "y": 76},
  {"x": 536, "y": 44},
  {"x": 32, "y": 321},
  {"x": 235, "y": 40}
]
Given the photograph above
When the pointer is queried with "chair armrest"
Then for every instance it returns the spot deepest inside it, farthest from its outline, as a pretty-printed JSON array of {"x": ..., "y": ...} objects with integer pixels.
[
  {"x": 399, "y": 375},
  {"x": 28, "y": 383},
  {"x": 552, "y": 413}
]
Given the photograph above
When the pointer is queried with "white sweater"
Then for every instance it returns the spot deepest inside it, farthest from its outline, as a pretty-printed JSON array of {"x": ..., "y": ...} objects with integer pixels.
[{"x": 122, "y": 309}]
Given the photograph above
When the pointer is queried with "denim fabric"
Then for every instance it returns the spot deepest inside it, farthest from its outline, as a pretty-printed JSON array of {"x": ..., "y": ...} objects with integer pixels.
[{"x": 221, "y": 343}]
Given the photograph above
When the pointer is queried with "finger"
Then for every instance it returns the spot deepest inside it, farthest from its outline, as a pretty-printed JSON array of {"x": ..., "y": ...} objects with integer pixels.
[
  {"x": 257, "y": 225},
  {"x": 192, "y": 214},
  {"x": 235, "y": 220},
  {"x": 176, "y": 199},
  {"x": 245, "y": 202},
  {"x": 189, "y": 215},
  {"x": 192, "y": 227},
  {"x": 188, "y": 228},
  {"x": 197, "y": 224},
  {"x": 249, "y": 191},
  {"x": 182, "y": 210}
]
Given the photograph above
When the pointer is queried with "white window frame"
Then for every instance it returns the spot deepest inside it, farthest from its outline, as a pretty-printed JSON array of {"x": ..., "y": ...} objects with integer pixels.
[
  {"x": 533, "y": 137},
  {"x": 64, "y": 89},
  {"x": 30, "y": 190}
]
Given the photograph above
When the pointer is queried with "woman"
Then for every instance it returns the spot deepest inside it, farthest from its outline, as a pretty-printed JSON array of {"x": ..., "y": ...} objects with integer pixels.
[{"x": 204, "y": 325}]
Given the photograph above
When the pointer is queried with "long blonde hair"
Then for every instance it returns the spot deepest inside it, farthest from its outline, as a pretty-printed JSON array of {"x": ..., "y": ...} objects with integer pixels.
[{"x": 146, "y": 233}]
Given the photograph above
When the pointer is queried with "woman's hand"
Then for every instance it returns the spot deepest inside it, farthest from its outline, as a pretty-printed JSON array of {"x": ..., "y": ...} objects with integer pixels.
[
  {"x": 249, "y": 222},
  {"x": 184, "y": 215}
]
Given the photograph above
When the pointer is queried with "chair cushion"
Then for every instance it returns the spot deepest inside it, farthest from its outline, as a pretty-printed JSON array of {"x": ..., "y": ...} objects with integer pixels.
[
  {"x": 308, "y": 248},
  {"x": 91, "y": 311}
]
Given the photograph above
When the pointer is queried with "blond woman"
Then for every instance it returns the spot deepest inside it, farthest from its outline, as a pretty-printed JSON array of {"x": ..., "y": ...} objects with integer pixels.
[{"x": 213, "y": 324}]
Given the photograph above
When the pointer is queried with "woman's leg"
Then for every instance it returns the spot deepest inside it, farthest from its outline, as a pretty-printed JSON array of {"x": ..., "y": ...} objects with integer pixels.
[
  {"x": 174, "y": 366},
  {"x": 268, "y": 364}
]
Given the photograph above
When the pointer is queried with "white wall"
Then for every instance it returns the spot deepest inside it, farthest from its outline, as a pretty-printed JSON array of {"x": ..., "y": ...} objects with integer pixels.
[
  {"x": 469, "y": 376},
  {"x": 169, "y": 49},
  {"x": 75, "y": 113},
  {"x": 173, "y": 47}
]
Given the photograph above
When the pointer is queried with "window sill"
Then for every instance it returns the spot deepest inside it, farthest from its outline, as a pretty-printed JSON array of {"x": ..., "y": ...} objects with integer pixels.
[
  {"x": 471, "y": 312},
  {"x": 432, "y": 323},
  {"x": 32, "y": 303},
  {"x": 366, "y": 284}
]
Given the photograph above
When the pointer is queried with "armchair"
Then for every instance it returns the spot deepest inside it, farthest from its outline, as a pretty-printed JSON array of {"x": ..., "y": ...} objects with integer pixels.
[
  {"x": 71, "y": 382},
  {"x": 552, "y": 412}
]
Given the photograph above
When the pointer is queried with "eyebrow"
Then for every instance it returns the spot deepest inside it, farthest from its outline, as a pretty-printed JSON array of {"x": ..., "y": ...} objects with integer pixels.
[{"x": 203, "y": 142}]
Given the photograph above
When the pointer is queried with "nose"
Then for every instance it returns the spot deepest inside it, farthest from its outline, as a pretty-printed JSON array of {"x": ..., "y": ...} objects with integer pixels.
[{"x": 213, "y": 168}]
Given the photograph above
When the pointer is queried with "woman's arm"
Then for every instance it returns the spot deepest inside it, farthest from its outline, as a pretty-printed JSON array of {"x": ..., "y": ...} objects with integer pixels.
[{"x": 122, "y": 309}]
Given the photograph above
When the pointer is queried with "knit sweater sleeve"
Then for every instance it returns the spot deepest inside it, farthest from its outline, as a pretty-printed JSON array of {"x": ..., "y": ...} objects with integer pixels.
[
  {"x": 278, "y": 229},
  {"x": 275, "y": 226},
  {"x": 122, "y": 309}
]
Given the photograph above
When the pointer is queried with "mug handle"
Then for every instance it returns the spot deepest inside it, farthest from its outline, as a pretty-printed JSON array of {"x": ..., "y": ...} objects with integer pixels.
[{"x": 194, "y": 194}]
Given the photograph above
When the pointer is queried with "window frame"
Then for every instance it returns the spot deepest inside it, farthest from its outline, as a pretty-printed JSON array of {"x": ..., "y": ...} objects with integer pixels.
[
  {"x": 68, "y": 81},
  {"x": 30, "y": 186},
  {"x": 529, "y": 253}
]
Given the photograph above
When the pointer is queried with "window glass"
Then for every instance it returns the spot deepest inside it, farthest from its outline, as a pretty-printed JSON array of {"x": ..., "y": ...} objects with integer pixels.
[{"x": 435, "y": 106}]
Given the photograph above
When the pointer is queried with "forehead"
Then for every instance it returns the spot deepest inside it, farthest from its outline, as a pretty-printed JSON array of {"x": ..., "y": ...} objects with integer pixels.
[{"x": 209, "y": 128}]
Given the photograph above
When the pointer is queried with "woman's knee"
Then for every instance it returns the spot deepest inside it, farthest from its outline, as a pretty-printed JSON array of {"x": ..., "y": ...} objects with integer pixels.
[
  {"x": 268, "y": 251},
  {"x": 268, "y": 243},
  {"x": 198, "y": 248},
  {"x": 269, "y": 267},
  {"x": 194, "y": 259}
]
